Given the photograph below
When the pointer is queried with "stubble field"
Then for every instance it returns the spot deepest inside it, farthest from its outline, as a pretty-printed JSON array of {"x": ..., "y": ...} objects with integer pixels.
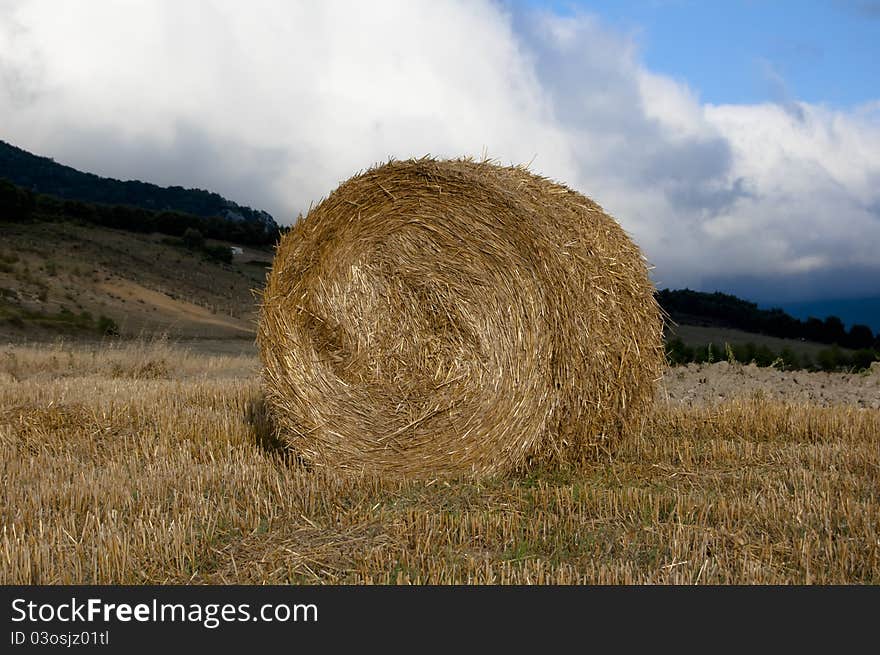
[{"x": 153, "y": 463}]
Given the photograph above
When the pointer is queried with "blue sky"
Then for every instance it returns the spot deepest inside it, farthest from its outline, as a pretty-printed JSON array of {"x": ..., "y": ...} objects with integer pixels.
[{"x": 750, "y": 51}]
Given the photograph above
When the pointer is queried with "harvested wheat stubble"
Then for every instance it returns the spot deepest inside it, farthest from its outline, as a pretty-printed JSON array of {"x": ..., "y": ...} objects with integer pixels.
[{"x": 433, "y": 318}]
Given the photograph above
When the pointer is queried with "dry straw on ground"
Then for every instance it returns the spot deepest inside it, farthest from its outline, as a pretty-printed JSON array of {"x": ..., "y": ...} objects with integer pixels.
[
  {"x": 120, "y": 479},
  {"x": 455, "y": 317}
]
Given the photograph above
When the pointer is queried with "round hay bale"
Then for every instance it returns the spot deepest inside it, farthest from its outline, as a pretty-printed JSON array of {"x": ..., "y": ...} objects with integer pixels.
[{"x": 434, "y": 318}]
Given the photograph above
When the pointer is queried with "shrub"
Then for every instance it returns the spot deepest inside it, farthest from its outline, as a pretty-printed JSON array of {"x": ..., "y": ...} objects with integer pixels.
[
  {"x": 790, "y": 359},
  {"x": 863, "y": 358},
  {"x": 193, "y": 239},
  {"x": 107, "y": 326},
  {"x": 831, "y": 359},
  {"x": 678, "y": 353},
  {"x": 219, "y": 253}
]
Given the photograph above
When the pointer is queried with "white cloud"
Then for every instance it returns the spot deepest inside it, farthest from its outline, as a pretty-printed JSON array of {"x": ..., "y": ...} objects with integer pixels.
[
  {"x": 813, "y": 185},
  {"x": 333, "y": 87},
  {"x": 274, "y": 103}
]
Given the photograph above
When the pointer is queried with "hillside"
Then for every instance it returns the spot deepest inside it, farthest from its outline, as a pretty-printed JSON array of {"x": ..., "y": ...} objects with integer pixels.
[
  {"x": 700, "y": 335},
  {"x": 73, "y": 280},
  {"x": 721, "y": 310},
  {"x": 42, "y": 175},
  {"x": 64, "y": 279},
  {"x": 706, "y": 327}
]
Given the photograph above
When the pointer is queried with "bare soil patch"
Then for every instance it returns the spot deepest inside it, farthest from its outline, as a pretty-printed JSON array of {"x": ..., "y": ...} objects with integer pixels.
[{"x": 700, "y": 384}]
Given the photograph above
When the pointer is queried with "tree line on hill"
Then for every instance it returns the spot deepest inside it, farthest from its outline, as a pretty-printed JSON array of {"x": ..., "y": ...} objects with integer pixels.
[
  {"x": 42, "y": 175},
  {"x": 720, "y": 309},
  {"x": 18, "y": 204}
]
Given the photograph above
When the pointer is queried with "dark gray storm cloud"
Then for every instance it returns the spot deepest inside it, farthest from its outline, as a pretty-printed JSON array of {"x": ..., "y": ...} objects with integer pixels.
[{"x": 835, "y": 282}]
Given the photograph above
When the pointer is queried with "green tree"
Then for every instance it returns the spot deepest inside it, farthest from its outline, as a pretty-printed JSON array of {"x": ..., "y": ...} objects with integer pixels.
[
  {"x": 835, "y": 332},
  {"x": 831, "y": 359},
  {"x": 219, "y": 253},
  {"x": 790, "y": 359},
  {"x": 678, "y": 353},
  {"x": 860, "y": 336},
  {"x": 764, "y": 356},
  {"x": 107, "y": 326},
  {"x": 193, "y": 239},
  {"x": 16, "y": 204},
  {"x": 863, "y": 358}
]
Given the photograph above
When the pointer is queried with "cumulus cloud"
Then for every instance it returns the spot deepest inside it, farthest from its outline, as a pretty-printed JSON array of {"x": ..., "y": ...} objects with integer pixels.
[
  {"x": 317, "y": 90},
  {"x": 813, "y": 180},
  {"x": 272, "y": 104}
]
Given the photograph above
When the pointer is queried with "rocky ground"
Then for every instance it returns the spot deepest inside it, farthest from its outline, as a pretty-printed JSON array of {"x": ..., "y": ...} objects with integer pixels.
[{"x": 712, "y": 383}]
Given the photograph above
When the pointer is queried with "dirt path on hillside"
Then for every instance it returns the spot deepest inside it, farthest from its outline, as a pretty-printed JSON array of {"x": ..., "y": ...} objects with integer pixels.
[
  {"x": 176, "y": 310},
  {"x": 713, "y": 383}
]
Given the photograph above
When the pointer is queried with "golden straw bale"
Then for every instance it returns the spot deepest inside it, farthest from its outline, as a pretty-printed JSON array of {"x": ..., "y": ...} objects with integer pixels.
[{"x": 433, "y": 318}]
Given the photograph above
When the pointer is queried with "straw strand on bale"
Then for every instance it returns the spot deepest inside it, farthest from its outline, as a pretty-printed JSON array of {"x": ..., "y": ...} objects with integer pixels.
[{"x": 435, "y": 318}]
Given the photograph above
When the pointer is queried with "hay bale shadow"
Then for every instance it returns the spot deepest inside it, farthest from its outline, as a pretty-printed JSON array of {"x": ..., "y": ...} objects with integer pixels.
[{"x": 266, "y": 433}]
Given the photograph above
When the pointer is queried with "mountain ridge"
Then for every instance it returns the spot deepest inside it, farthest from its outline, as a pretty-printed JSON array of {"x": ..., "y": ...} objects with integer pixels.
[{"x": 43, "y": 175}]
